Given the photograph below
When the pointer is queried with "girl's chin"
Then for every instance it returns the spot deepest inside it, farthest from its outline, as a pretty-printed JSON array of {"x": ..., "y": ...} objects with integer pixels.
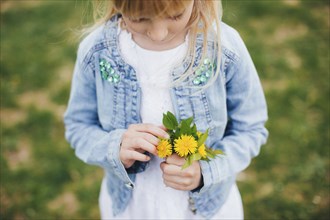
[
  {"x": 160, "y": 42},
  {"x": 168, "y": 43}
]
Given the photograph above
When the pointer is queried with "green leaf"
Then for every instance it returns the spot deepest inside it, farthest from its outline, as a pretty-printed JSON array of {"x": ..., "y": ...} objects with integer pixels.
[
  {"x": 217, "y": 151},
  {"x": 176, "y": 134},
  {"x": 185, "y": 127},
  {"x": 214, "y": 152},
  {"x": 206, "y": 159},
  {"x": 187, "y": 163},
  {"x": 203, "y": 137},
  {"x": 169, "y": 121},
  {"x": 208, "y": 150},
  {"x": 196, "y": 156},
  {"x": 189, "y": 120},
  {"x": 210, "y": 155},
  {"x": 172, "y": 117},
  {"x": 194, "y": 129}
]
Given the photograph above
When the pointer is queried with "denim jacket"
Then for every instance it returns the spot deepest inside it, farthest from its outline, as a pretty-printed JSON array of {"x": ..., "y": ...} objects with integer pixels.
[{"x": 233, "y": 108}]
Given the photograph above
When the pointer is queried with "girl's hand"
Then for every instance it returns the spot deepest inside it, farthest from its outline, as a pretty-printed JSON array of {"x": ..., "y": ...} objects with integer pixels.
[
  {"x": 138, "y": 139},
  {"x": 188, "y": 179}
]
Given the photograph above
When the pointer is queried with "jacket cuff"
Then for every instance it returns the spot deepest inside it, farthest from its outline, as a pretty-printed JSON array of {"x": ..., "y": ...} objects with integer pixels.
[
  {"x": 115, "y": 163},
  {"x": 214, "y": 172},
  {"x": 138, "y": 166}
]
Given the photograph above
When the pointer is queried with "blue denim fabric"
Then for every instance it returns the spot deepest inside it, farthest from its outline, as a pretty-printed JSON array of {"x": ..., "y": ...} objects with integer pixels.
[{"x": 233, "y": 108}]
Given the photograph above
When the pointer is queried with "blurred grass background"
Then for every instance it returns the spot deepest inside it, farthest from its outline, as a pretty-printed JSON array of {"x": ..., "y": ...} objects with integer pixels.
[{"x": 42, "y": 179}]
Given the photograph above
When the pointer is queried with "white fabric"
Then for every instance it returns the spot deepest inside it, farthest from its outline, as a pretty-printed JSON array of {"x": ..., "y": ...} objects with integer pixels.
[
  {"x": 151, "y": 199},
  {"x": 231, "y": 209}
]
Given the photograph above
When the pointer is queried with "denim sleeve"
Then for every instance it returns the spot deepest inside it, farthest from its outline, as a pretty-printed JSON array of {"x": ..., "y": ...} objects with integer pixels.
[
  {"x": 92, "y": 144},
  {"x": 247, "y": 113}
]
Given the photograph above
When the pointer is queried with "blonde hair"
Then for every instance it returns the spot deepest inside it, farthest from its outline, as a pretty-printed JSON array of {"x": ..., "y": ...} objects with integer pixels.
[{"x": 205, "y": 15}]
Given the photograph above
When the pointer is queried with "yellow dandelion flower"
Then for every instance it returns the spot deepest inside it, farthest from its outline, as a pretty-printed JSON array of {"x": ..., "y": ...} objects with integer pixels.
[
  {"x": 202, "y": 151},
  {"x": 199, "y": 134},
  {"x": 184, "y": 145},
  {"x": 164, "y": 148}
]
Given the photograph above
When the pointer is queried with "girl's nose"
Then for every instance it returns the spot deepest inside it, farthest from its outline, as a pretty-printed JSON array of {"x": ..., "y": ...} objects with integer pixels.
[{"x": 157, "y": 32}]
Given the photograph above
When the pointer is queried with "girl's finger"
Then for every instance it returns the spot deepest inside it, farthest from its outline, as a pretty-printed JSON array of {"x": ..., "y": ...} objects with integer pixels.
[
  {"x": 162, "y": 127},
  {"x": 140, "y": 143},
  {"x": 134, "y": 155},
  {"x": 150, "y": 128},
  {"x": 176, "y": 186},
  {"x": 149, "y": 137},
  {"x": 177, "y": 180},
  {"x": 170, "y": 169},
  {"x": 175, "y": 159}
]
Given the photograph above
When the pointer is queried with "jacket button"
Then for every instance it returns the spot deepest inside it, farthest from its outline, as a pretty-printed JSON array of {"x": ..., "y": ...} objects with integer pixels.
[
  {"x": 192, "y": 205},
  {"x": 129, "y": 185},
  {"x": 193, "y": 210}
]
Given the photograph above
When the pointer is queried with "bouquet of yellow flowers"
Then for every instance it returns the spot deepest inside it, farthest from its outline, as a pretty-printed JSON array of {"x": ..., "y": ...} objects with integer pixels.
[{"x": 185, "y": 140}]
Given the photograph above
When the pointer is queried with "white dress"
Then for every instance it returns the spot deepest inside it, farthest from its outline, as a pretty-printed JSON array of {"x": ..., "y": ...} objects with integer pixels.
[{"x": 151, "y": 199}]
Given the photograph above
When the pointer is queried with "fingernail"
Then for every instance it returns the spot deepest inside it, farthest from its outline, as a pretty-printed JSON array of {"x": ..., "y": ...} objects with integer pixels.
[{"x": 167, "y": 136}]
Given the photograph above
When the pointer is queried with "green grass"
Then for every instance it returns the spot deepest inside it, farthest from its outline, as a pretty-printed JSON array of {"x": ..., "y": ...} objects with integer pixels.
[
  {"x": 289, "y": 44},
  {"x": 40, "y": 176}
]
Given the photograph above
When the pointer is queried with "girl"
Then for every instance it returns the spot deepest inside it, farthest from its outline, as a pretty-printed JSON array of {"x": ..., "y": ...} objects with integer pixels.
[{"x": 147, "y": 57}]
